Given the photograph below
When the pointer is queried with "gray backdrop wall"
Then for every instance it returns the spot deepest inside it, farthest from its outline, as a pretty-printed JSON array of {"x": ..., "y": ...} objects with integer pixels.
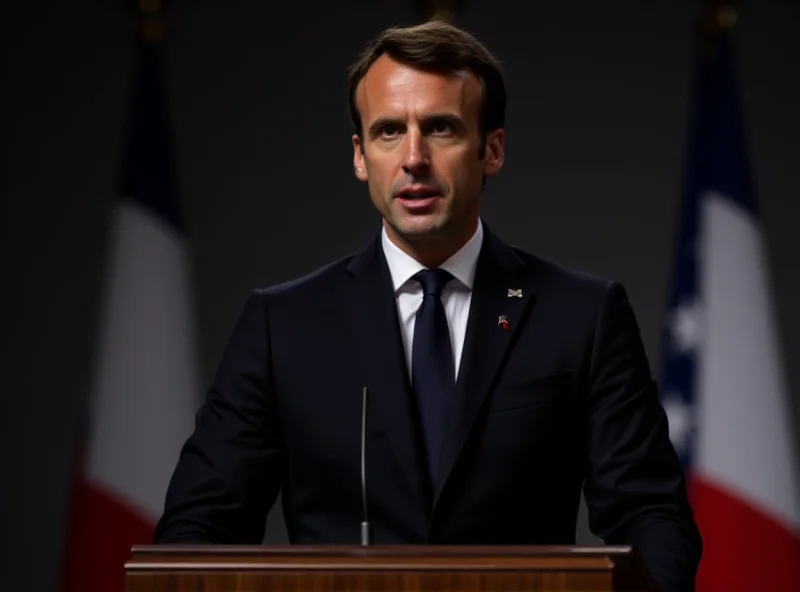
[{"x": 596, "y": 119}]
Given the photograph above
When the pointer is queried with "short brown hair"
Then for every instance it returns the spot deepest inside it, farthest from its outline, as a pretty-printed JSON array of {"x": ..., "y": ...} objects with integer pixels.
[{"x": 439, "y": 47}]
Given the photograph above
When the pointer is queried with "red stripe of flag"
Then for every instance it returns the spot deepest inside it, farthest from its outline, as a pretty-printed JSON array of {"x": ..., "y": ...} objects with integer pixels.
[
  {"x": 103, "y": 530},
  {"x": 744, "y": 549}
]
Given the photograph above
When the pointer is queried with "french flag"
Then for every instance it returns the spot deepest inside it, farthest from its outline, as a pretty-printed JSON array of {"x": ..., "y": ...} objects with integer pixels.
[
  {"x": 145, "y": 383},
  {"x": 723, "y": 387}
]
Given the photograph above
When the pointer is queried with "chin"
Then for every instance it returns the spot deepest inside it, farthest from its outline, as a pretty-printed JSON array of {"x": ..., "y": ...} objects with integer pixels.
[{"x": 420, "y": 228}]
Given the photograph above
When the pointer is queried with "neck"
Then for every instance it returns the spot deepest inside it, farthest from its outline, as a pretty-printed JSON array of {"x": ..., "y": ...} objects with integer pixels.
[{"x": 433, "y": 251}]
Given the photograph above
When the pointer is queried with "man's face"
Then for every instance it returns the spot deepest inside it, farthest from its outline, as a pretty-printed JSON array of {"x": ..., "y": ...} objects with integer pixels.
[{"x": 421, "y": 151}]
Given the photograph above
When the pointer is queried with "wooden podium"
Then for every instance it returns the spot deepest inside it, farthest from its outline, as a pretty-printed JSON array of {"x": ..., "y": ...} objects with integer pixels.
[{"x": 384, "y": 568}]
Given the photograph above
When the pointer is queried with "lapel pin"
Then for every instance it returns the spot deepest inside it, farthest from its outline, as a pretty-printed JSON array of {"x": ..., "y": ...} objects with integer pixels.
[
  {"x": 515, "y": 293},
  {"x": 502, "y": 321}
]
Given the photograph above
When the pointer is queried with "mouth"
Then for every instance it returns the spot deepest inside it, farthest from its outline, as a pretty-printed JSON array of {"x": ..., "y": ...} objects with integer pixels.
[
  {"x": 418, "y": 199},
  {"x": 417, "y": 192}
]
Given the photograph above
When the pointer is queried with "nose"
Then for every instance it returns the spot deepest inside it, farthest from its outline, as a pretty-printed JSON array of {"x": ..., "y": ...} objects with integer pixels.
[{"x": 416, "y": 159}]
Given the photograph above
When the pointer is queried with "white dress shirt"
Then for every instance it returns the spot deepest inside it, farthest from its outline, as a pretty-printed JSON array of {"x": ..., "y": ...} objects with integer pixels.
[{"x": 456, "y": 296}]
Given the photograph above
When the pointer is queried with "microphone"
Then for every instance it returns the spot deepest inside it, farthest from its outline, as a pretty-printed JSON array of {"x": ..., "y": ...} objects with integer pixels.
[{"x": 365, "y": 530}]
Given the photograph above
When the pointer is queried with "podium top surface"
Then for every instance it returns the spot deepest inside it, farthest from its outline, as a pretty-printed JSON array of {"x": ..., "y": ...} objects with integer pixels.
[
  {"x": 405, "y": 567},
  {"x": 417, "y": 557}
]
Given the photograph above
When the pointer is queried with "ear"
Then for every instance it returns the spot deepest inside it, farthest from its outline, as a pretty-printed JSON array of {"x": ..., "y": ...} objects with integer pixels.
[
  {"x": 495, "y": 152},
  {"x": 358, "y": 159}
]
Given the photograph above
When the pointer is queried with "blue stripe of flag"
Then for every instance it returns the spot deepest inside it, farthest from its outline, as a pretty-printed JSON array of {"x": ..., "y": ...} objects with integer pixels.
[
  {"x": 716, "y": 161},
  {"x": 147, "y": 172}
]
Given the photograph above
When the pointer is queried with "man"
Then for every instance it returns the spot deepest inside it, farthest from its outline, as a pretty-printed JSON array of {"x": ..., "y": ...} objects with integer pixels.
[{"x": 497, "y": 384}]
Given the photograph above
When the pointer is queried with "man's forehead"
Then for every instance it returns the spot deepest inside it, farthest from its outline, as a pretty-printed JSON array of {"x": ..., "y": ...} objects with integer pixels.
[{"x": 389, "y": 83}]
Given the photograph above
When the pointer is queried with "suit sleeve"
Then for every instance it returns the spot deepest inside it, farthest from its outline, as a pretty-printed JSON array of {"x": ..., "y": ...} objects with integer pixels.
[
  {"x": 635, "y": 487},
  {"x": 228, "y": 472}
]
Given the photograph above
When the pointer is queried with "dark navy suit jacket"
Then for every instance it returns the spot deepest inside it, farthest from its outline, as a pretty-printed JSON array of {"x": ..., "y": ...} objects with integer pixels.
[{"x": 562, "y": 400}]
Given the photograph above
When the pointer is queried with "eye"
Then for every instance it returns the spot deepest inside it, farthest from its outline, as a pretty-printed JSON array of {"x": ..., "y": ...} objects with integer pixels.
[
  {"x": 441, "y": 127},
  {"x": 389, "y": 130}
]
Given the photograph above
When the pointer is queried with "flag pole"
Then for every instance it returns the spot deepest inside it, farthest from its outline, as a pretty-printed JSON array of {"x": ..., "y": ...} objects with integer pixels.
[
  {"x": 716, "y": 18},
  {"x": 149, "y": 19},
  {"x": 440, "y": 10}
]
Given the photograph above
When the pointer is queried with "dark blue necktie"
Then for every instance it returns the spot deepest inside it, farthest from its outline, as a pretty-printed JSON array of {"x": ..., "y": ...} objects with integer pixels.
[{"x": 432, "y": 369}]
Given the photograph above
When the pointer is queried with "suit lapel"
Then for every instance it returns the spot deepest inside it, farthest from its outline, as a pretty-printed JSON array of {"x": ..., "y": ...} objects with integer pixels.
[
  {"x": 371, "y": 306},
  {"x": 486, "y": 342}
]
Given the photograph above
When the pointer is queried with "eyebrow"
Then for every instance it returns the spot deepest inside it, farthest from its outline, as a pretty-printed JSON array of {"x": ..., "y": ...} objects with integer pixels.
[{"x": 451, "y": 118}]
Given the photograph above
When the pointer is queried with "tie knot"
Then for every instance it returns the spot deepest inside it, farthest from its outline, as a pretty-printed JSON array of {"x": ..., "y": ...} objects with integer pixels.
[{"x": 432, "y": 280}]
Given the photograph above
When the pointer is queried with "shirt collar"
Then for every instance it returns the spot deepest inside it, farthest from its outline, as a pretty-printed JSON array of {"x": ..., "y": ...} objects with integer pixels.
[{"x": 461, "y": 264}]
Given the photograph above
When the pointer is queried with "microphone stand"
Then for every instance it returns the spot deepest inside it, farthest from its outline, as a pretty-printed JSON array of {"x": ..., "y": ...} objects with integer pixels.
[{"x": 365, "y": 529}]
